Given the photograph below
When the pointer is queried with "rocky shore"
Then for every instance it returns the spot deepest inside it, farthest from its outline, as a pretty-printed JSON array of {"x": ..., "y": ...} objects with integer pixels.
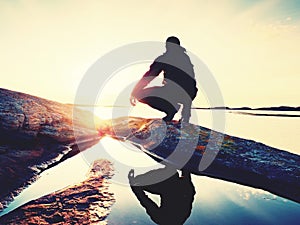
[
  {"x": 36, "y": 134},
  {"x": 86, "y": 203}
]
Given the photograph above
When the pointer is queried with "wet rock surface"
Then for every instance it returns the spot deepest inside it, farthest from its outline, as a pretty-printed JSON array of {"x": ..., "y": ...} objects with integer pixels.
[
  {"x": 86, "y": 203},
  {"x": 36, "y": 134},
  {"x": 206, "y": 152}
]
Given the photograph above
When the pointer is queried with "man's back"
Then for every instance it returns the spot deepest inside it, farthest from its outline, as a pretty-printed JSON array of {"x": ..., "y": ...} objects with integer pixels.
[{"x": 177, "y": 68}]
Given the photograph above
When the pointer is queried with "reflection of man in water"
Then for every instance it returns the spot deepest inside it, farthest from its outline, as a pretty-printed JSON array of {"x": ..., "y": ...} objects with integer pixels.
[
  {"x": 177, "y": 195},
  {"x": 179, "y": 85}
]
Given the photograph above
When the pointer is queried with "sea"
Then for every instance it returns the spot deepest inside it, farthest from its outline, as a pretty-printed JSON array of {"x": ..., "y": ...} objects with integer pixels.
[{"x": 215, "y": 202}]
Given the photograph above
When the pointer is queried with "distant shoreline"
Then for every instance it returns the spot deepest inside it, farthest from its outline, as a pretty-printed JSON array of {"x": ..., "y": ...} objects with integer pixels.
[
  {"x": 272, "y": 108},
  {"x": 264, "y": 114}
]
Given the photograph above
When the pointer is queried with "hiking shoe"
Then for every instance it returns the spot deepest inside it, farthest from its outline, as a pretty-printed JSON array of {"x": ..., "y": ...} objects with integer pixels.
[{"x": 170, "y": 115}]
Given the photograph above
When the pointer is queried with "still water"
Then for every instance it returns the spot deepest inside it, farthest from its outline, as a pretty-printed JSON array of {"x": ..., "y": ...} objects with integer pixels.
[{"x": 215, "y": 201}]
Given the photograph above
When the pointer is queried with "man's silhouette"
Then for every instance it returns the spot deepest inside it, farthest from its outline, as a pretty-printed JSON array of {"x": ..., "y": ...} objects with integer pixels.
[
  {"x": 176, "y": 193},
  {"x": 179, "y": 85}
]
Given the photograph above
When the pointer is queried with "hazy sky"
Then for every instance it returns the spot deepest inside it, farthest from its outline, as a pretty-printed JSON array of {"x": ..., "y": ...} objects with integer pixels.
[{"x": 251, "y": 47}]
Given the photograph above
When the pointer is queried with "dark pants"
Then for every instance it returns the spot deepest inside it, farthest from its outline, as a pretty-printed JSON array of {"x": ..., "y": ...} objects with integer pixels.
[{"x": 166, "y": 99}]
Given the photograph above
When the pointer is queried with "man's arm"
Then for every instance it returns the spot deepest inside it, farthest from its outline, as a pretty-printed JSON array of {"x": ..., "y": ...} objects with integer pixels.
[
  {"x": 154, "y": 71},
  {"x": 146, "y": 79},
  {"x": 151, "y": 207}
]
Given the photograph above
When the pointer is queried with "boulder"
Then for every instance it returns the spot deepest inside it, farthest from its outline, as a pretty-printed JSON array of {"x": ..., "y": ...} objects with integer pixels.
[
  {"x": 31, "y": 117},
  {"x": 206, "y": 152}
]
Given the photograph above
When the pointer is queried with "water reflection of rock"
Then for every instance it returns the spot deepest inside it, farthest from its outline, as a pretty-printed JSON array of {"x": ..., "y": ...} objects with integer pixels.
[
  {"x": 176, "y": 194},
  {"x": 86, "y": 203}
]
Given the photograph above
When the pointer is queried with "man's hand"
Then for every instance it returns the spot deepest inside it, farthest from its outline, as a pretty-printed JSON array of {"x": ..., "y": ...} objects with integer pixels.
[
  {"x": 131, "y": 176},
  {"x": 133, "y": 100}
]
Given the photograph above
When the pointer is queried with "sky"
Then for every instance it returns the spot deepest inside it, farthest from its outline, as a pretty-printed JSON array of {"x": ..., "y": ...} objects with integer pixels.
[{"x": 252, "y": 48}]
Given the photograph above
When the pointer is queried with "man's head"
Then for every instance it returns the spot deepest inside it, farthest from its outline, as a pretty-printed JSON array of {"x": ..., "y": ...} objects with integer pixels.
[
  {"x": 172, "y": 43},
  {"x": 173, "y": 40}
]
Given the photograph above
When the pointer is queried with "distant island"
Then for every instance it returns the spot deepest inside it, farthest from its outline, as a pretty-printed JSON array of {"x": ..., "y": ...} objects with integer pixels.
[{"x": 273, "y": 108}]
